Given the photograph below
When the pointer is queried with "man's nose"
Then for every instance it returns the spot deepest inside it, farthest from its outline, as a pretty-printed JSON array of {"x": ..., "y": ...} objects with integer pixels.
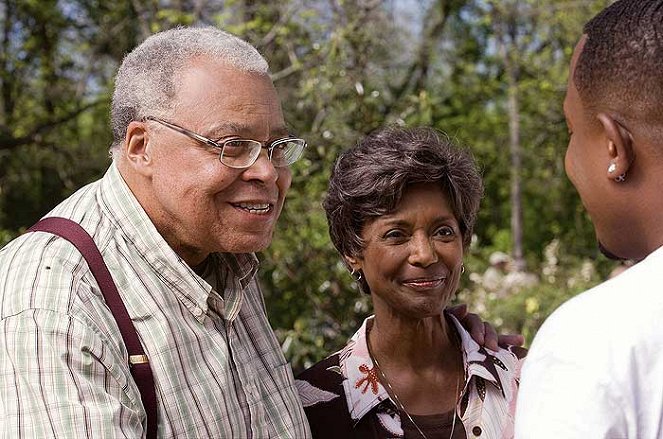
[{"x": 263, "y": 169}]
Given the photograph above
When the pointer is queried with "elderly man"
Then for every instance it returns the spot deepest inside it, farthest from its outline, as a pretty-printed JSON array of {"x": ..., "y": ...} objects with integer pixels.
[
  {"x": 200, "y": 170},
  {"x": 201, "y": 158},
  {"x": 595, "y": 370}
]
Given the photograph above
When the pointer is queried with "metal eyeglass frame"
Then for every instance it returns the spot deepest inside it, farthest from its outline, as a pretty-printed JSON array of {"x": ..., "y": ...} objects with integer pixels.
[{"x": 253, "y": 157}]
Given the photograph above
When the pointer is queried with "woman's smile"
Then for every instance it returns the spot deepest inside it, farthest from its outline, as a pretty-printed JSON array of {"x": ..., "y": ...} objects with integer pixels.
[{"x": 424, "y": 284}]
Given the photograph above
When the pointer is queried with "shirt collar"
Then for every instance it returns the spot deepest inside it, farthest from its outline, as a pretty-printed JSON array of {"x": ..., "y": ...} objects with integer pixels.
[
  {"x": 479, "y": 361},
  {"x": 361, "y": 383},
  {"x": 363, "y": 389},
  {"x": 132, "y": 222},
  {"x": 232, "y": 274}
]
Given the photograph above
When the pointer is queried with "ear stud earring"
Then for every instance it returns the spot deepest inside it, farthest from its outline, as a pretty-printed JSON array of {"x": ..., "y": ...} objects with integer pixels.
[{"x": 611, "y": 170}]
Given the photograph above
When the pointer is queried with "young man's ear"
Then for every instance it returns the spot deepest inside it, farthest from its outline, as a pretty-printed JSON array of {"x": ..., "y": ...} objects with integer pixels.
[
  {"x": 619, "y": 147},
  {"x": 137, "y": 148}
]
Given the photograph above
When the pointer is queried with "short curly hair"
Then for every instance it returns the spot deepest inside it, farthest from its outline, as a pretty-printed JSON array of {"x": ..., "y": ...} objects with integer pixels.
[
  {"x": 368, "y": 181},
  {"x": 620, "y": 68}
]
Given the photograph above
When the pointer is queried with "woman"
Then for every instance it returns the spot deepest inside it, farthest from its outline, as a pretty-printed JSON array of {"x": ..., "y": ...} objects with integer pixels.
[{"x": 401, "y": 208}]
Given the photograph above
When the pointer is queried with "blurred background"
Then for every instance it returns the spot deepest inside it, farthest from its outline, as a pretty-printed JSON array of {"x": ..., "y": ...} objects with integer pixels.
[{"x": 489, "y": 73}]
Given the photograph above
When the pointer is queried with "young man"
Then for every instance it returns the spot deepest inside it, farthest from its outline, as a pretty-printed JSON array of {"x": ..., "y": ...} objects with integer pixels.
[
  {"x": 177, "y": 218},
  {"x": 594, "y": 369}
]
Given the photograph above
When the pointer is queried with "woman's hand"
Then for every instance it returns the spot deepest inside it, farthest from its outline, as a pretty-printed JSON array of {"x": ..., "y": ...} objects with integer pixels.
[{"x": 482, "y": 332}]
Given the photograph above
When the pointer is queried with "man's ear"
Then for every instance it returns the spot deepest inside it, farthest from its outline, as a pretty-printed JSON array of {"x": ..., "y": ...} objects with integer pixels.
[
  {"x": 137, "y": 148},
  {"x": 619, "y": 146}
]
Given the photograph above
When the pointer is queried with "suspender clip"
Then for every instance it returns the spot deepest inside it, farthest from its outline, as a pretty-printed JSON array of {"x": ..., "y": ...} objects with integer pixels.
[{"x": 138, "y": 359}]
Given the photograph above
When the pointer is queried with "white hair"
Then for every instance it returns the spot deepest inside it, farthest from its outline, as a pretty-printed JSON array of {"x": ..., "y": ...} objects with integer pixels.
[{"x": 145, "y": 83}]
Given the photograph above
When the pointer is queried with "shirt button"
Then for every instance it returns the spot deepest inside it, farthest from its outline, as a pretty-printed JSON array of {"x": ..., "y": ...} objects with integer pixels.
[
  {"x": 252, "y": 391},
  {"x": 476, "y": 431}
]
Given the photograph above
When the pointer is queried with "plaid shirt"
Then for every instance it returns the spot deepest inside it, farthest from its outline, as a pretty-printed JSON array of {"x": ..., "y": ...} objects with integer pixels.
[{"x": 218, "y": 368}]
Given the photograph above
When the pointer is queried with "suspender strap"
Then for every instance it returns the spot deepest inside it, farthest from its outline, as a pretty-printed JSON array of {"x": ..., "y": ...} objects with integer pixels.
[{"x": 138, "y": 361}]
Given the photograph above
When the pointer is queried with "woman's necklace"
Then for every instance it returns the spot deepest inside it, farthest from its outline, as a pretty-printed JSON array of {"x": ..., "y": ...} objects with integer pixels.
[{"x": 397, "y": 400}]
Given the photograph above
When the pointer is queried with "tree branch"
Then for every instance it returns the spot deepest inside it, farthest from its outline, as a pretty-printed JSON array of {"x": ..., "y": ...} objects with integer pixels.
[
  {"x": 8, "y": 141},
  {"x": 417, "y": 73},
  {"x": 271, "y": 34},
  {"x": 141, "y": 13}
]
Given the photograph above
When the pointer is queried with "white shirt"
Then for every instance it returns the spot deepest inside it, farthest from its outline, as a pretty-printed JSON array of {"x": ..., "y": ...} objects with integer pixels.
[{"x": 595, "y": 369}]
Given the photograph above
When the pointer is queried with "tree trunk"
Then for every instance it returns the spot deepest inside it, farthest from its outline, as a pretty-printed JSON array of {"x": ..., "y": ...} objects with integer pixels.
[
  {"x": 507, "y": 37},
  {"x": 516, "y": 165},
  {"x": 6, "y": 118}
]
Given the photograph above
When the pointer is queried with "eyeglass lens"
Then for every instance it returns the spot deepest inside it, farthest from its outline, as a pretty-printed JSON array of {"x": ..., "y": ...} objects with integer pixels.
[{"x": 242, "y": 153}]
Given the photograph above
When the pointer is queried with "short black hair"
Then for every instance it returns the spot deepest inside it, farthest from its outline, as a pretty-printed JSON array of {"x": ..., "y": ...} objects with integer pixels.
[
  {"x": 368, "y": 181},
  {"x": 620, "y": 69}
]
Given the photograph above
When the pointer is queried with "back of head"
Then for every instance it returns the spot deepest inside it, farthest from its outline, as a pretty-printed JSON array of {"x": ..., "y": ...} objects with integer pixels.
[
  {"x": 146, "y": 83},
  {"x": 498, "y": 258},
  {"x": 620, "y": 69},
  {"x": 369, "y": 179}
]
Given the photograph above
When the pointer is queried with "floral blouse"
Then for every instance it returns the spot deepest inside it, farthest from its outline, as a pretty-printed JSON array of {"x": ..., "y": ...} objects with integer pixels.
[{"x": 343, "y": 397}]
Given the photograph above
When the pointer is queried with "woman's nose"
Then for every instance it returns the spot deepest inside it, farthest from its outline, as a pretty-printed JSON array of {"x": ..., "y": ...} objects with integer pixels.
[{"x": 422, "y": 252}]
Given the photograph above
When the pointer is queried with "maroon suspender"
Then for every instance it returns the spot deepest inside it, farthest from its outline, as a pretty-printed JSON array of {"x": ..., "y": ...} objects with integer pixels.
[{"x": 138, "y": 361}]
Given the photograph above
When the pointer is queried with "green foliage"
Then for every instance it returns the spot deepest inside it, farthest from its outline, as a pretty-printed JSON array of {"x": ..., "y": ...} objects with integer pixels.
[
  {"x": 342, "y": 69},
  {"x": 520, "y": 302}
]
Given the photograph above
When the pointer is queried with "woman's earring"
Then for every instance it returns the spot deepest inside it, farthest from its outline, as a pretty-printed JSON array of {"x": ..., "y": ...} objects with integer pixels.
[
  {"x": 462, "y": 268},
  {"x": 612, "y": 168},
  {"x": 356, "y": 275}
]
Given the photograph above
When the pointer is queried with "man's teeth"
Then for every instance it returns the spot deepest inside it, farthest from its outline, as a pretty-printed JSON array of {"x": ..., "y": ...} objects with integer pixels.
[{"x": 254, "y": 208}]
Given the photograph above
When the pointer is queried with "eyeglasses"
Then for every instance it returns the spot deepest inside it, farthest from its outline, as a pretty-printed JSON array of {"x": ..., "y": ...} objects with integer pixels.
[{"x": 242, "y": 153}]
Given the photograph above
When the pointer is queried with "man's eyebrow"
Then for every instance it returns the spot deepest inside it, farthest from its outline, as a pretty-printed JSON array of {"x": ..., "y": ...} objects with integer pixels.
[
  {"x": 282, "y": 132},
  {"x": 221, "y": 129}
]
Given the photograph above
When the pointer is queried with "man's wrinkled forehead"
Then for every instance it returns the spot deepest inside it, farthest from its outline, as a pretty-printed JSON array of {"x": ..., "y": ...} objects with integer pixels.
[
  {"x": 230, "y": 101},
  {"x": 220, "y": 129}
]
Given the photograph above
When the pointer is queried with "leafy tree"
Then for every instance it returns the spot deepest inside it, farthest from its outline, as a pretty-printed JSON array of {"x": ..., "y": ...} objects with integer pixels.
[{"x": 491, "y": 74}]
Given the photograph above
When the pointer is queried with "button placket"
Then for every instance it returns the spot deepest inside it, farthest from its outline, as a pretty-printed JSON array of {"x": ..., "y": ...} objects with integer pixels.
[{"x": 247, "y": 380}]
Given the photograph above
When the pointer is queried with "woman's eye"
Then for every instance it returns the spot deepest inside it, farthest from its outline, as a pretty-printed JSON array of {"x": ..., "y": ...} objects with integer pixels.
[
  {"x": 445, "y": 231},
  {"x": 393, "y": 234}
]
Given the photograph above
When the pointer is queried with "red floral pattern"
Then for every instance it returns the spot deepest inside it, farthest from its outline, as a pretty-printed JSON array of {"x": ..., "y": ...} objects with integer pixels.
[{"x": 370, "y": 380}]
